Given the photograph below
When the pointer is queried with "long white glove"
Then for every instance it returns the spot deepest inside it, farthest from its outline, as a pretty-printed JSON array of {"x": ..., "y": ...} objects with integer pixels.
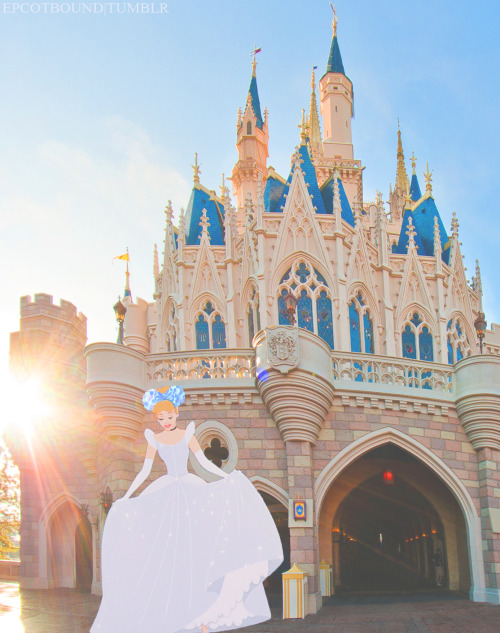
[
  {"x": 208, "y": 465},
  {"x": 141, "y": 477}
]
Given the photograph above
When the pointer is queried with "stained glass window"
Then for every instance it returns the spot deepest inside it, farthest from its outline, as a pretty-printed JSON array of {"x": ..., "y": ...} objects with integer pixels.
[
  {"x": 409, "y": 346},
  {"x": 425, "y": 344},
  {"x": 324, "y": 318},
  {"x": 202, "y": 340},
  {"x": 354, "y": 328},
  {"x": 304, "y": 311},
  {"x": 218, "y": 332},
  {"x": 368, "y": 327}
]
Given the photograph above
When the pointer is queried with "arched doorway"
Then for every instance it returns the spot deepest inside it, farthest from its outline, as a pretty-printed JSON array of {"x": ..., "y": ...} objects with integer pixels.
[
  {"x": 273, "y": 584},
  {"x": 83, "y": 555},
  {"x": 385, "y": 532},
  {"x": 437, "y": 499},
  {"x": 61, "y": 545}
]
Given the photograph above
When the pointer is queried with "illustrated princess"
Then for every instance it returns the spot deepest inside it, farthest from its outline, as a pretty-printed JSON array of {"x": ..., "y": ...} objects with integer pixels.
[{"x": 185, "y": 555}]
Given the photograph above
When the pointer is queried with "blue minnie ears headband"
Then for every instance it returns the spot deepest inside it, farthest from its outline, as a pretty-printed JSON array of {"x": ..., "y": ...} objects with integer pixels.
[{"x": 175, "y": 395}]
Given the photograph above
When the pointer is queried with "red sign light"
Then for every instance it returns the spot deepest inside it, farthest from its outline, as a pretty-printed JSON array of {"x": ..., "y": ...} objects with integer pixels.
[{"x": 388, "y": 477}]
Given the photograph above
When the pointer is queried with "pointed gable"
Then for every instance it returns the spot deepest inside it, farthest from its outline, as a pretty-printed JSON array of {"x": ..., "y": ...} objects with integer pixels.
[
  {"x": 327, "y": 195},
  {"x": 423, "y": 219},
  {"x": 310, "y": 179},
  {"x": 201, "y": 198}
]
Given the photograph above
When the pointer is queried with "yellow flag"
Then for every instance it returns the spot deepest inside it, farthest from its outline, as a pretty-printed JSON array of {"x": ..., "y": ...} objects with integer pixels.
[{"x": 125, "y": 257}]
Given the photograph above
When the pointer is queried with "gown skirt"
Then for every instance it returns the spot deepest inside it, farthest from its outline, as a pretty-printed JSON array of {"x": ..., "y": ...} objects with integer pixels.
[{"x": 187, "y": 553}]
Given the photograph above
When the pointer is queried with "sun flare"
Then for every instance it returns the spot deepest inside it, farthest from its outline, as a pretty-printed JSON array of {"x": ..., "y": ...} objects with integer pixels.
[{"x": 25, "y": 405}]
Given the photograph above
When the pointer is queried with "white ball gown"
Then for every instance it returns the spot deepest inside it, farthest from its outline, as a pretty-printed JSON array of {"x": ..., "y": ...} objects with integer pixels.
[{"x": 187, "y": 553}]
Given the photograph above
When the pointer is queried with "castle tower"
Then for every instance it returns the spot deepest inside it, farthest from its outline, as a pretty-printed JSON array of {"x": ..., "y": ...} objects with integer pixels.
[
  {"x": 252, "y": 139},
  {"x": 337, "y": 102}
]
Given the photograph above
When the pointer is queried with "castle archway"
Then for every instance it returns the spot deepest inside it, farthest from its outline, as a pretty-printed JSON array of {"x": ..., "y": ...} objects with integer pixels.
[
  {"x": 372, "y": 526},
  {"x": 83, "y": 556},
  {"x": 276, "y": 501},
  {"x": 61, "y": 545}
]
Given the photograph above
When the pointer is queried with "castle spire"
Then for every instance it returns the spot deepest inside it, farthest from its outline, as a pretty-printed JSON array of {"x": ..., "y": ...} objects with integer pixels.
[
  {"x": 337, "y": 104},
  {"x": 402, "y": 182},
  {"x": 253, "y": 93},
  {"x": 303, "y": 128},
  {"x": 314, "y": 127},
  {"x": 127, "y": 292},
  {"x": 335, "y": 64}
]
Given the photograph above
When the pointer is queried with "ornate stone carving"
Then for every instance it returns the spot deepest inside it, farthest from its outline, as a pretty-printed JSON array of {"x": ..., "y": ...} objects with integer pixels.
[{"x": 283, "y": 349}]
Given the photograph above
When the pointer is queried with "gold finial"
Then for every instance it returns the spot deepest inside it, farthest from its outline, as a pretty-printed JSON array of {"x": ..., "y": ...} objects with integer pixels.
[
  {"x": 413, "y": 161},
  {"x": 408, "y": 200},
  {"x": 335, "y": 20},
  {"x": 169, "y": 212},
  {"x": 303, "y": 128},
  {"x": 224, "y": 191},
  {"x": 313, "y": 79},
  {"x": 428, "y": 179},
  {"x": 254, "y": 62},
  {"x": 196, "y": 169}
]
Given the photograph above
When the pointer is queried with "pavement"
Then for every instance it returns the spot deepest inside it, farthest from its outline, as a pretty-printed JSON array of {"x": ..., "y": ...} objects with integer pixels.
[{"x": 438, "y": 611}]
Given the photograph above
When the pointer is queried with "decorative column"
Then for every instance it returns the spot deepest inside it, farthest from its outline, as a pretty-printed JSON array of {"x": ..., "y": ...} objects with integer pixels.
[
  {"x": 478, "y": 407},
  {"x": 294, "y": 378}
]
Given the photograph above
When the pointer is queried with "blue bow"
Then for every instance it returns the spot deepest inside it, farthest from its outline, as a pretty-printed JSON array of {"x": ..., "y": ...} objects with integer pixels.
[{"x": 175, "y": 395}]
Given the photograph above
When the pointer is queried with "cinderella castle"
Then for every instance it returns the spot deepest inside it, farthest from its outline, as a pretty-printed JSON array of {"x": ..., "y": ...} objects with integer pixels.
[{"x": 330, "y": 347}]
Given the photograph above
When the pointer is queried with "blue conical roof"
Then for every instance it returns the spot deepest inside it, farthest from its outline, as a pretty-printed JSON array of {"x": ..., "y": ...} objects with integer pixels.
[
  {"x": 254, "y": 98},
  {"x": 335, "y": 64}
]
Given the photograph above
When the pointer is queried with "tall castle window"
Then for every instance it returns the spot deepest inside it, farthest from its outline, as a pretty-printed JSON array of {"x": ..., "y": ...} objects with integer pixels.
[
  {"x": 172, "y": 326},
  {"x": 457, "y": 341},
  {"x": 416, "y": 330},
  {"x": 210, "y": 329},
  {"x": 249, "y": 127},
  {"x": 314, "y": 303},
  {"x": 253, "y": 316},
  {"x": 361, "y": 326}
]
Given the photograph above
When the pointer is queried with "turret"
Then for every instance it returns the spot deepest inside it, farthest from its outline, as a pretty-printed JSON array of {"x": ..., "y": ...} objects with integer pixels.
[
  {"x": 252, "y": 139},
  {"x": 336, "y": 96}
]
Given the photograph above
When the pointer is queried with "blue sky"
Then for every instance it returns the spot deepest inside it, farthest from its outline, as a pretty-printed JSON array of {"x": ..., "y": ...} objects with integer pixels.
[{"x": 100, "y": 117}]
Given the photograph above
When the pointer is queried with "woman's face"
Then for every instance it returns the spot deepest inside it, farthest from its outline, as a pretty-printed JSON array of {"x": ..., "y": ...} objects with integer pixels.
[{"x": 167, "y": 419}]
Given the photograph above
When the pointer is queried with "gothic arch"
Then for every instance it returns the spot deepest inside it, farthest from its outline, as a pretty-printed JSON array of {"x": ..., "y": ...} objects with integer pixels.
[
  {"x": 265, "y": 485},
  {"x": 201, "y": 300},
  {"x": 359, "y": 286},
  {"x": 377, "y": 438},
  {"x": 407, "y": 313},
  {"x": 44, "y": 523},
  {"x": 307, "y": 258}
]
